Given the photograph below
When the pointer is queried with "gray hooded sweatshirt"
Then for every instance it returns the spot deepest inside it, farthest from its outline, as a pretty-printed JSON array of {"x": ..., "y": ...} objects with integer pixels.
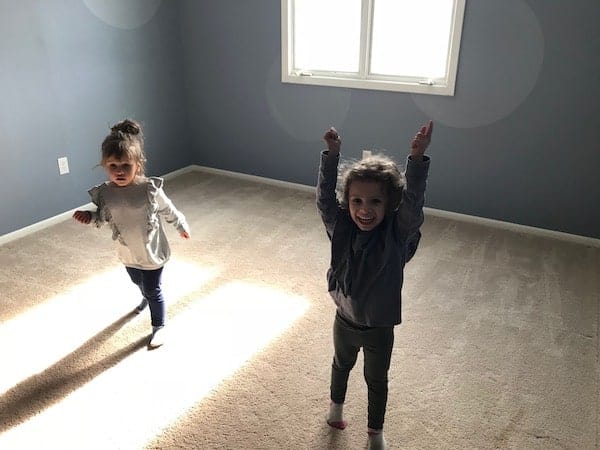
[{"x": 366, "y": 271}]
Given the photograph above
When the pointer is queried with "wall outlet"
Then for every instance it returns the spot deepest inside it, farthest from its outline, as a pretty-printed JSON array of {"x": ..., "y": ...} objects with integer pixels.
[
  {"x": 63, "y": 165},
  {"x": 366, "y": 153}
]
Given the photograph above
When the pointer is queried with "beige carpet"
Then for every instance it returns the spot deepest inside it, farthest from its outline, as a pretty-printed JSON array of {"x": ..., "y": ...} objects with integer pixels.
[{"x": 499, "y": 348}]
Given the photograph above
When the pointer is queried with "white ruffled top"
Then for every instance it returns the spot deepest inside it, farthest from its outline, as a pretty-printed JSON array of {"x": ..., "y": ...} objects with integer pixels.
[{"x": 134, "y": 214}]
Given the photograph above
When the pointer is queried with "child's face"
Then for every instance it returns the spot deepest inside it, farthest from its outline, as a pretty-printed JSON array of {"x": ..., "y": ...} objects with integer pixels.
[
  {"x": 367, "y": 202},
  {"x": 121, "y": 172}
]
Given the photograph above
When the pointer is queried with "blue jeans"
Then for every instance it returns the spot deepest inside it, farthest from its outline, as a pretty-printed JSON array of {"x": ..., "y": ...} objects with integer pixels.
[
  {"x": 149, "y": 283},
  {"x": 377, "y": 344}
]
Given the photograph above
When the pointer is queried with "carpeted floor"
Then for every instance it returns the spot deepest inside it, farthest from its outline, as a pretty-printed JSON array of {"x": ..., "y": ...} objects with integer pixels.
[{"x": 499, "y": 347}]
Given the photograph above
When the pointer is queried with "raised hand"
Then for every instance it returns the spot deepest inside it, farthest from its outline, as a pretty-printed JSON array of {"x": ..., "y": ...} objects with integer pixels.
[
  {"x": 421, "y": 141},
  {"x": 333, "y": 140}
]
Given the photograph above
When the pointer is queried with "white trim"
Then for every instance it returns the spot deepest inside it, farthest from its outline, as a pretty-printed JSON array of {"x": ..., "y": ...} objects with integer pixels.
[
  {"x": 176, "y": 173},
  {"x": 256, "y": 178},
  {"x": 456, "y": 33},
  {"x": 428, "y": 211},
  {"x": 542, "y": 232},
  {"x": 509, "y": 226},
  {"x": 17, "y": 234},
  {"x": 286, "y": 23},
  {"x": 22, "y": 232},
  {"x": 364, "y": 79},
  {"x": 370, "y": 83}
]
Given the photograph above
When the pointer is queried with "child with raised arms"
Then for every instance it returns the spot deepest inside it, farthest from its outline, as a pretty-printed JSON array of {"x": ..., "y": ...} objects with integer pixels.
[
  {"x": 372, "y": 218},
  {"x": 134, "y": 205}
]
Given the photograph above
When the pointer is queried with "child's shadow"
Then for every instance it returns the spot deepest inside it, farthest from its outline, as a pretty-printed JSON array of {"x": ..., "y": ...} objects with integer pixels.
[{"x": 48, "y": 387}]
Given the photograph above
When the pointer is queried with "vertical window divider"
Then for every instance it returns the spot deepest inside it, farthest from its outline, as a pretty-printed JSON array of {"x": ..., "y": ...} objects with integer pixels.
[
  {"x": 364, "y": 60},
  {"x": 458, "y": 13},
  {"x": 287, "y": 37}
]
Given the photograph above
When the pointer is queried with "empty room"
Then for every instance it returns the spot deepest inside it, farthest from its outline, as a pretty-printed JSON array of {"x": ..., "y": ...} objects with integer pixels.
[{"x": 299, "y": 224}]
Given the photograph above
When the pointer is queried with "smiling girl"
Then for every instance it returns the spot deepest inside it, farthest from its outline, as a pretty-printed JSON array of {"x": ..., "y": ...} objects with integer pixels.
[
  {"x": 133, "y": 205},
  {"x": 373, "y": 223}
]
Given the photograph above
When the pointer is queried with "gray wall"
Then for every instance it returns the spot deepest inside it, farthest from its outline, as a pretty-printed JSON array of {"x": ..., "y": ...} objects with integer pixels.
[
  {"x": 518, "y": 142},
  {"x": 68, "y": 70}
]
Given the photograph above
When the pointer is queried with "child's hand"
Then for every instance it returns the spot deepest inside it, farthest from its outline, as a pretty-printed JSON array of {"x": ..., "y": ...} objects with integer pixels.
[
  {"x": 184, "y": 234},
  {"x": 421, "y": 141},
  {"x": 332, "y": 138},
  {"x": 82, "y": 216}
]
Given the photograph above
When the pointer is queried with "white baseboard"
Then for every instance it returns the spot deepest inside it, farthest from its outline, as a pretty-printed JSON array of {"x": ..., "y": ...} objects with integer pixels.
[
  {"x": 584, "y": 240},
  {"x": 22, "y": 232},
  {"x": 256, "y": 178},
  {"x": 509, "y": 226},
  {"x": 176, "y": 173},
  {"x": 428, "y": 211}
]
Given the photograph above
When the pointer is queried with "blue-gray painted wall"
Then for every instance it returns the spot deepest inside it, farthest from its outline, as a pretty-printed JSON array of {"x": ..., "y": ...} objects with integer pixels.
[
  {"x": 66, "y": 75},
  {"x": 518, "y": 142}
]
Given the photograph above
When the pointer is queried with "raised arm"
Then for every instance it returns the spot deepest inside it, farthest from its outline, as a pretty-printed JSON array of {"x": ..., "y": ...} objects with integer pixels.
[
  {"x": 410, "y": 213},
  {"x": 327, "y": 179},
  {"x": 421, "y": 141},
  {"x": 333, "y": 141}
]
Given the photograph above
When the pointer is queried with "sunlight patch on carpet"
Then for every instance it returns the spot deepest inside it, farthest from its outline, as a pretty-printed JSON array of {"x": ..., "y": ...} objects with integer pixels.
[
  {"x": 130, "y": 404},
  {"x": 38, "y": 338}
]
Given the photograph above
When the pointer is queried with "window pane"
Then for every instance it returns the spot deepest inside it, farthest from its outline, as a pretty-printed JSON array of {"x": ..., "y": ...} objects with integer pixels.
[
  {"x": 411, "y": 37},
  {"x": 327, "y": 35}
]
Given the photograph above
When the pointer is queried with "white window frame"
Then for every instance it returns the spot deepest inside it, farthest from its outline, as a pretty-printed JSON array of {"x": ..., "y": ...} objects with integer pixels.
[{"x": 362, "y": 79}]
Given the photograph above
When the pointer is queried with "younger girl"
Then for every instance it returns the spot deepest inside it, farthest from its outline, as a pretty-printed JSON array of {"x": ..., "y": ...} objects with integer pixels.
[
  {"x": 133, "y": 204},
  {"x": 373, "y": 225}
]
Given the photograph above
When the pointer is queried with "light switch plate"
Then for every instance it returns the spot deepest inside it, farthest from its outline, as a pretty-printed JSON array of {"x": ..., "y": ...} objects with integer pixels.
[{"x": 63, "y": 165}]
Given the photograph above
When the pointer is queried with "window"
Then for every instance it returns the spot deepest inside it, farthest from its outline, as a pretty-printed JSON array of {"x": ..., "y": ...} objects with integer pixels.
[{"x": 394, "y": 45}]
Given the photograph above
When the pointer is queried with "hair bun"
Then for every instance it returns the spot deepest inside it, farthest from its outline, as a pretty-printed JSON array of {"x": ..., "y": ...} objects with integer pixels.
[{"x": 126, "y": 126}]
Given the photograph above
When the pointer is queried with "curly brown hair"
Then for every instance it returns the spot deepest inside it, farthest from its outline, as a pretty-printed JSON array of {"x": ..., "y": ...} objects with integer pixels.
[
  {"x": 125, "y": 141},
  {"x": 377, "y": 167}
]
